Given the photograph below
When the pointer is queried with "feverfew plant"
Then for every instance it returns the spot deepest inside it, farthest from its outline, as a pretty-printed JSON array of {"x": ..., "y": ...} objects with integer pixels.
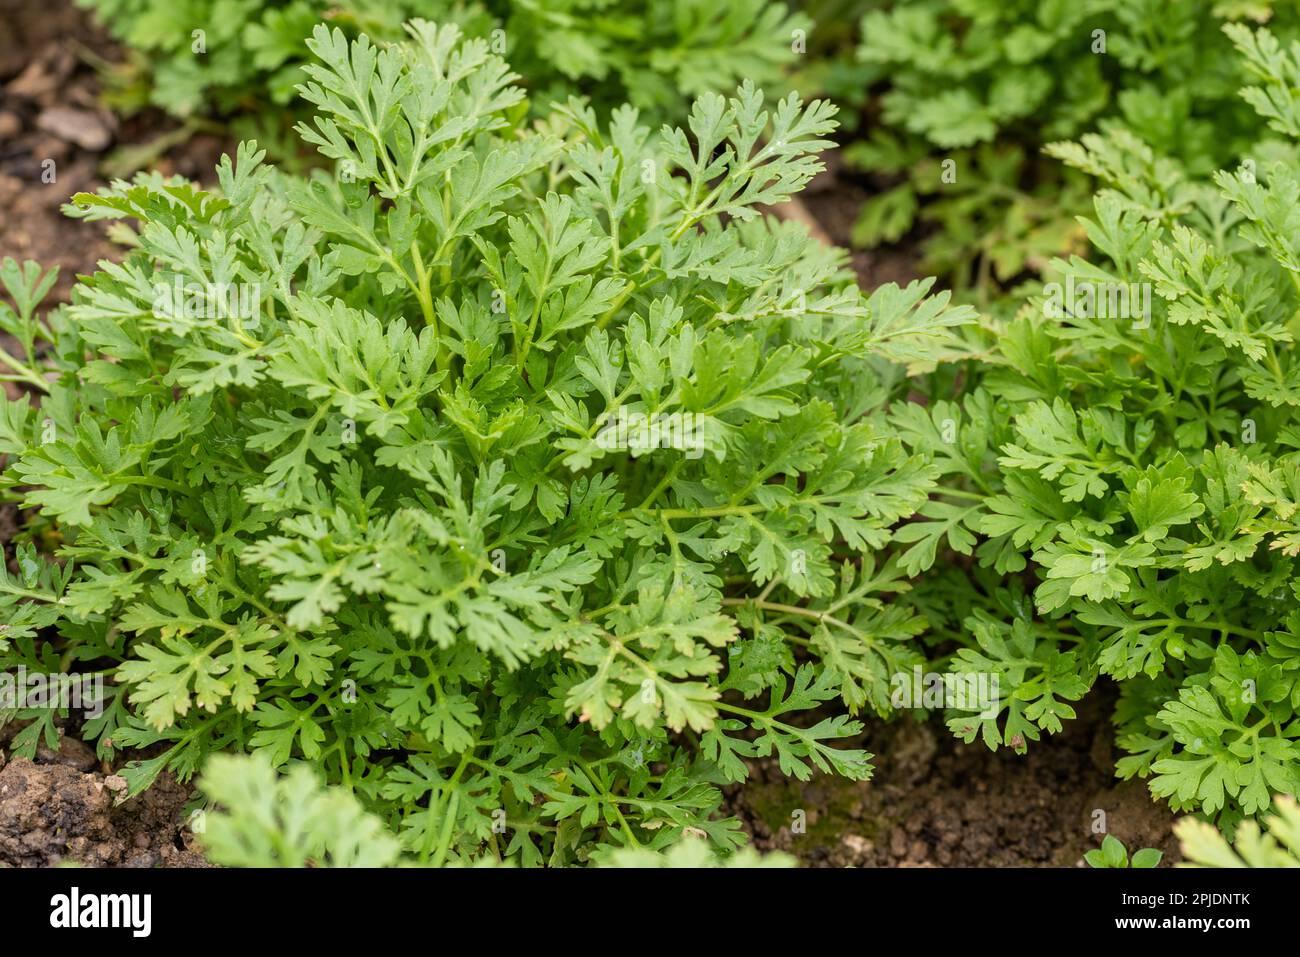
[
  {"x": 521, "y": 477},
  {"x": 256, "y": 818},
  {"x": 227, "y": 55},
  {"x": 969, "y": 91},
  {"x": 1275, "y": 844},
  {"x": 1129, "y": 455}
]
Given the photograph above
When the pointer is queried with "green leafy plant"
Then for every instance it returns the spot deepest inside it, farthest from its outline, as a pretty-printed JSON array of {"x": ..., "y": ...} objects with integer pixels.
[
  {"x": 261, "y": 819},
  {"x": 258, "y": 818},
  {"x": 1127, "y": 454},
  {"x": 1278, "y": 846},
  {"x": 227, "y": 55},
  {"x": 1113, "y": 854},
  {"x": 520, "y": 477},
  {"x": 971, "y": 90}
]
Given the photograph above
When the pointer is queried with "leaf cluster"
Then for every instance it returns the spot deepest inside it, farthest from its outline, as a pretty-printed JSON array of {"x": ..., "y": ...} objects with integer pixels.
[
  {"x": 334, "y": 468},
  {"x": 1124, "y": 480},
  {"x": 656, "y": 54},
  {"x": 966, "y": 93}
]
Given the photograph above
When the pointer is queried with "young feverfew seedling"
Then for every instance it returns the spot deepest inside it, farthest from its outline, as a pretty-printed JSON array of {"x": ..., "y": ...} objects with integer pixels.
[
  {"x": 522, "y": 477},
  {"x": 1113, "y": 854}
]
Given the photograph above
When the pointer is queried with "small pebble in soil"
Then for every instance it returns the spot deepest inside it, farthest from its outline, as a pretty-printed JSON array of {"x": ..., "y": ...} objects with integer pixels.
[{"x": 85, "y": 128}]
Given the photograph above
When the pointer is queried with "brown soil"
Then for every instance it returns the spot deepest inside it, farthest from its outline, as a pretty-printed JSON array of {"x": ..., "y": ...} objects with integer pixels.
[
  {"x": 55, "y": 134},
  {"x": 834, "y": 202},
  {"x": 61, "y": 808},
  {"x": 48, "y": 102},
  {"x": 934, "y": 801}
]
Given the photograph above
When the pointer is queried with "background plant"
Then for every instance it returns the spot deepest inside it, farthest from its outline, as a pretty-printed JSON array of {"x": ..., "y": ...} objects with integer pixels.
[
  {"x": 656, "y": 54},
  {"x": 1124, "y": 484},
  {"x": 960, "y": 97},
  {"x": 1276, "y": 844},
  {"x": 373, "y": 522},
  {"x": 257, "y": 818}
]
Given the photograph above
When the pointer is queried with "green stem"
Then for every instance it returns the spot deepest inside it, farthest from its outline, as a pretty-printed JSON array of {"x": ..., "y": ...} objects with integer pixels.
[{"x": 23, "y": 372}]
